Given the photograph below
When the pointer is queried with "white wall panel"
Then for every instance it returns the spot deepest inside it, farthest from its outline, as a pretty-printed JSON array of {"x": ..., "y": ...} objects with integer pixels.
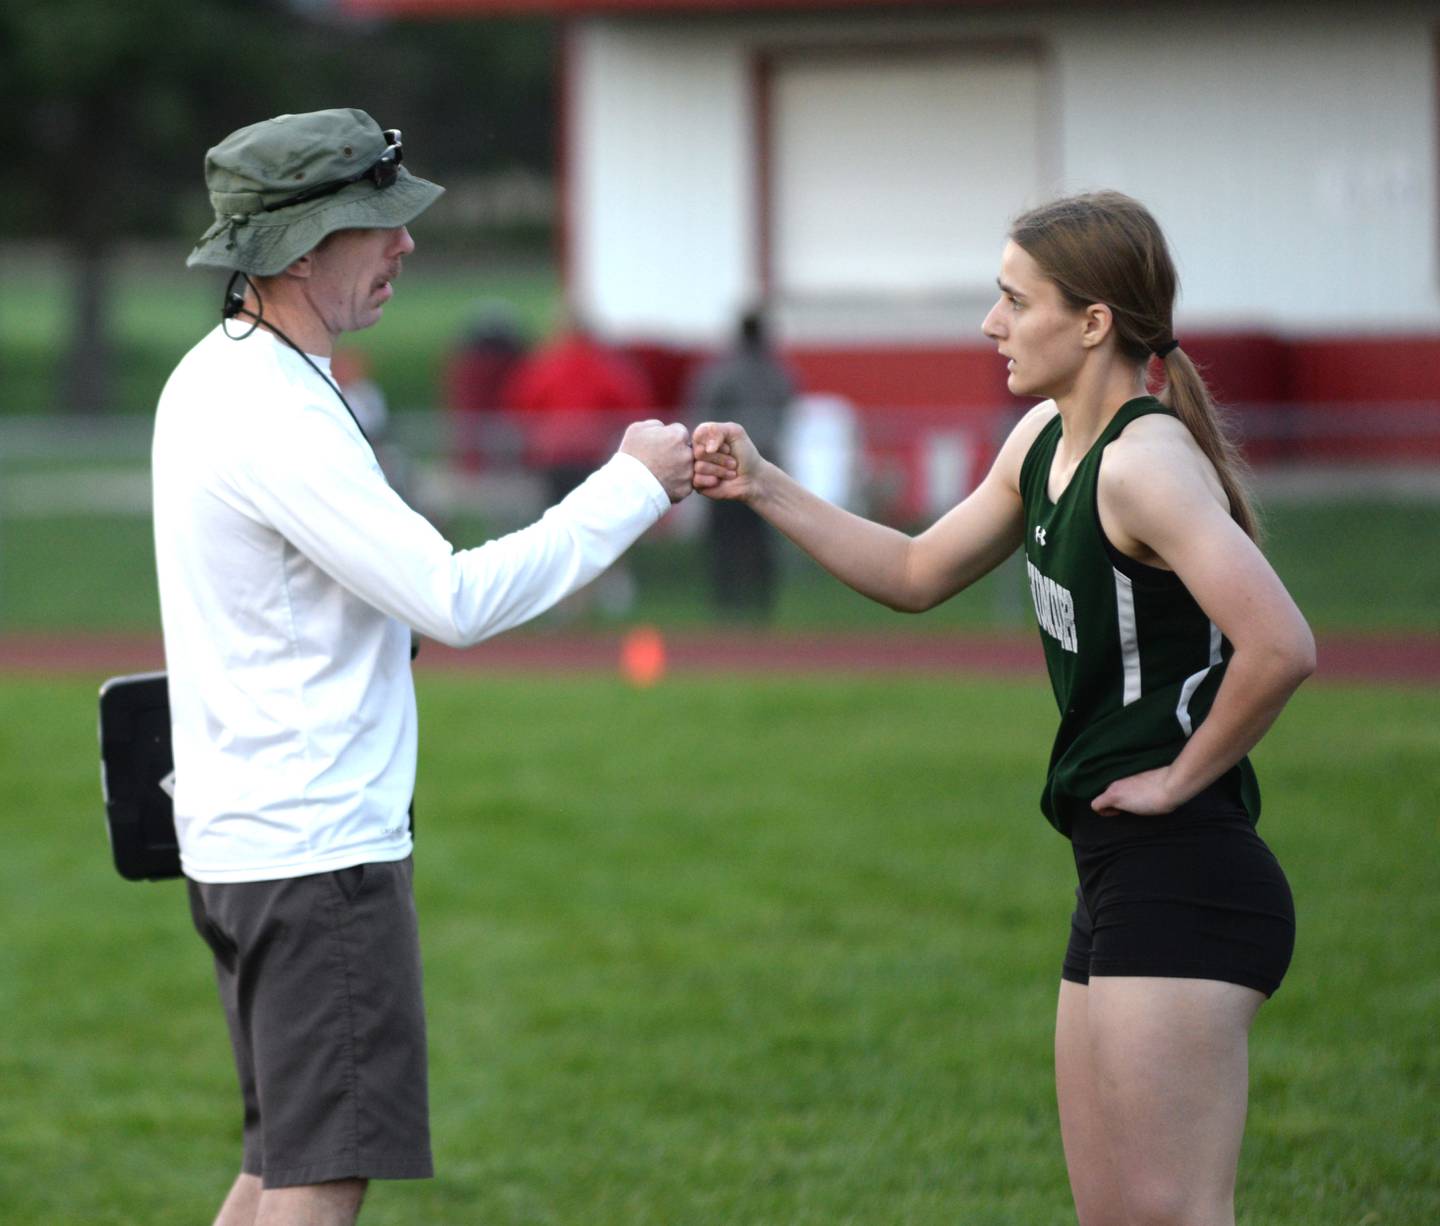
[
  {"x": 1291, "y": 161},
  {"x": 664, "y": 177},
  {"x": 893, "y": 173}
]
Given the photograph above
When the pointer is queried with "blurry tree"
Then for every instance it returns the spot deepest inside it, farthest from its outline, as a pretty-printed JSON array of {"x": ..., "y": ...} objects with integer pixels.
[
  {"x": 479, "y": 91},
  {"x": 111, "y": 105},
  {"x": 107, "y": 105}
]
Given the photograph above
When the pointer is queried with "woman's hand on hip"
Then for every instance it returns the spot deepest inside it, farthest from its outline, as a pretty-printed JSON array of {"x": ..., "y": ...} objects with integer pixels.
[{"x": 1148, "y": 794}]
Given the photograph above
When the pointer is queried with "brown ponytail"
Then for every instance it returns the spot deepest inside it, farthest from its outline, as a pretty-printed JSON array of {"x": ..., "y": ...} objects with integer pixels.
[
  {"x": 1106, "y": 247},
  {"x": 1186, "y": 394}
]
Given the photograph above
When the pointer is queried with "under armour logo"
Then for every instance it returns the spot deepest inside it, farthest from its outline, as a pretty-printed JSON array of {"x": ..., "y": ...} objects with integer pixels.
[{"x": 1040, "y": 535}]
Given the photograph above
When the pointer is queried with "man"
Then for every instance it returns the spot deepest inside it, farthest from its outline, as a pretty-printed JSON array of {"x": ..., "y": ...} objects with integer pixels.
[
  {"x": 751, "y": 386},
  {"x": 290, "y": 578}
]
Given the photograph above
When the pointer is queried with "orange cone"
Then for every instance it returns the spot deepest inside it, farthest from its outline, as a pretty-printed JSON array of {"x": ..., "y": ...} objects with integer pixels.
[{"x": 642, "y": 657}]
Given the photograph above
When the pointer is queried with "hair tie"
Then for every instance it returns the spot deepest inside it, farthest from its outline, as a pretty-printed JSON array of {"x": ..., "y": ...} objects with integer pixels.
[{"x": 1165, "y": 348}]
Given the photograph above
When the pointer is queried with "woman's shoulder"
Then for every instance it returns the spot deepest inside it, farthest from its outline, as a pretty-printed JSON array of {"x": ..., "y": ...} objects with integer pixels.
[
  {"x": 1025, "y": 431},
  {"x": 1154, "y": 438},
  {"x": 1155, "y": 423},
  {"x": 1021, "y": 439},
  {"x": 1038, "y": 417},
  {"x": 1018, "y": 444},
  {"x": 1157, "y": 451}
]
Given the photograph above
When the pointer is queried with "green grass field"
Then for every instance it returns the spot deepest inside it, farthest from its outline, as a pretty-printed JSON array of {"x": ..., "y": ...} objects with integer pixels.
[
  {"x": 758, "y": 952},
  {"x": 96, "y": 573}
]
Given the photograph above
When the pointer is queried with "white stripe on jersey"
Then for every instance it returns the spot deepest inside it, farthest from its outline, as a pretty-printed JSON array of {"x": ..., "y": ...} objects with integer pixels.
[
  {"x": 1192, "y": 682},
  {"x": 1129, "y": 637}
]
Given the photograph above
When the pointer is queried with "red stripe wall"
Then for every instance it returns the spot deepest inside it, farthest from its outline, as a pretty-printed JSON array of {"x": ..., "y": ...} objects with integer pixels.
[
  {"x": 1340, "y": 398},
  {"x": 1242, "y": 368},
  {"x": 1360, "y": 370},
  {"x": 906, "y": 377},
  {"x": 1251, "y": 369},
  {"x": 1345, "y": 398}
]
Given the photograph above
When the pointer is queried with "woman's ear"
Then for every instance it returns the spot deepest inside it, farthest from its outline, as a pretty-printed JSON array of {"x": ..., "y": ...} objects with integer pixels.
[{"x": 1099, "y": 323}]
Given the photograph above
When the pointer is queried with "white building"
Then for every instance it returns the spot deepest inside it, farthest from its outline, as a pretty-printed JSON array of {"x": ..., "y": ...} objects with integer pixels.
[{"x": 855, "y": 163}]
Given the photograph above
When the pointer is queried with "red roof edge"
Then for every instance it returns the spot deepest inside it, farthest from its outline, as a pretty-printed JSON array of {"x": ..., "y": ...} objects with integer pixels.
[{"x": 570, "y": 8}]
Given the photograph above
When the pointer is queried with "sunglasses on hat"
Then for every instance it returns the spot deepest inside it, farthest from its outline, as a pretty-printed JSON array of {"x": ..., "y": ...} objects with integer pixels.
[{"x": 382, "y": 173}]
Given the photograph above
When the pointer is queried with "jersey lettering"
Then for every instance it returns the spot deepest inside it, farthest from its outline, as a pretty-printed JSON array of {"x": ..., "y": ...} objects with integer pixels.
[{"x": 1054, "y": 608}]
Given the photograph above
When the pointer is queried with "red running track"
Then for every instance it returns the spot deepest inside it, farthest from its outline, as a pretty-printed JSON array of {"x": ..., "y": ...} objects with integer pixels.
[{"x": 1401, "y": 659}]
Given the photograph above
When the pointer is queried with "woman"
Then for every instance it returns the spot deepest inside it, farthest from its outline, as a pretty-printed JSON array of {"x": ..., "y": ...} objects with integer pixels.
[{"x": 1171, "y": 646}]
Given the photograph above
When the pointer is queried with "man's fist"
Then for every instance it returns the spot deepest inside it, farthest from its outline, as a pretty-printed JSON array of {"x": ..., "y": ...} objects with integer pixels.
[{"x": 665, "y": 451}]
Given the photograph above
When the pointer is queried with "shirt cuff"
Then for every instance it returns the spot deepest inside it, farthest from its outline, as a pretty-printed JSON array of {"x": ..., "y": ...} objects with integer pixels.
[{"x": 634, "y": 473}]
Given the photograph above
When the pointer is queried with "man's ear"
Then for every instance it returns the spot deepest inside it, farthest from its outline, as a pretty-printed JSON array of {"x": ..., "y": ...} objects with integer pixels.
[
  {"x": 300, "y": 268},
  {"x": 1099, "y": 322}
]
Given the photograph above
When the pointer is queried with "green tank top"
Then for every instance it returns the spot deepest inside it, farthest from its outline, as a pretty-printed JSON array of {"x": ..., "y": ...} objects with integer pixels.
[{"x": 1133, "y": 660}]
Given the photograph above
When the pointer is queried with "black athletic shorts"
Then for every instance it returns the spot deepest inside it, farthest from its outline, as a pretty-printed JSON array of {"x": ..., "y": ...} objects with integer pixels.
[
  {"x": 321, "y": 984},
  {"x": 1194, "y": 894}
]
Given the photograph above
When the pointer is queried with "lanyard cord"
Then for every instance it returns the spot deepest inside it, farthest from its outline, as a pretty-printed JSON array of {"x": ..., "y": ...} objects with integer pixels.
[{"x": 235, "y": 307}]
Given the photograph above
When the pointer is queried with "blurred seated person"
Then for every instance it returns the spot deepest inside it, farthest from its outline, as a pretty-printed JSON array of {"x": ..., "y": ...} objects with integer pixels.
[
  {"x": 473, "y": 378},
  {"x": 823, "y": 445},
  {"x": 352, "y": 371},
  {"x": 575, "y": 391},
  {"x": 750, "y": 385},
  {"x": 353, "y": 375}
]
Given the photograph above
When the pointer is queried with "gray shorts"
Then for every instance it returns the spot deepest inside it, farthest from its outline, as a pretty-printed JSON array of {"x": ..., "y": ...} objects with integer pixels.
[{"x": 320, "y": 980}]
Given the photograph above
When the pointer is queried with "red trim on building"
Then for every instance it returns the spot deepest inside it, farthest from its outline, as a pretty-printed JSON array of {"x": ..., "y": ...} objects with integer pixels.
[
  {"x": 1330, "y": 399},
  {"x": 1364, "y": 369},
  {"x": 1246, "y": 368},
  {"x": 563, "y": 8},
  {"x": 905, "y": 377}
]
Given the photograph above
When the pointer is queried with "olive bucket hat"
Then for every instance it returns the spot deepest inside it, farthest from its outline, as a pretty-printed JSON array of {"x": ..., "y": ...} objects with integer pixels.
[{"x": 280, "y": 186}]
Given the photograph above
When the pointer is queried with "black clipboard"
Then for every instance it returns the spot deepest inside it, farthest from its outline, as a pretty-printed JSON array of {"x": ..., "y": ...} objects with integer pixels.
[{"x": 137, "y": 776}]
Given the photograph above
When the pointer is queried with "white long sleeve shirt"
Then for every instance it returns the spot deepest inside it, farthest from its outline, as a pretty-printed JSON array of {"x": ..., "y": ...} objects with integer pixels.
[{"x": 290, "y": 574}]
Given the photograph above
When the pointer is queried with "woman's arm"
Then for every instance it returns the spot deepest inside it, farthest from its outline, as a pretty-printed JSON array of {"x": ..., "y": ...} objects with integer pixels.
[
  {"x": 907, "y": 573},
  {"x": 1156, "y": 491}
]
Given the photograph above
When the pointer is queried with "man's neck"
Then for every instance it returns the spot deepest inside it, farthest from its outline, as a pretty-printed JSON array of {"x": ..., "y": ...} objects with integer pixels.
[{"x": 296, "y": 320}]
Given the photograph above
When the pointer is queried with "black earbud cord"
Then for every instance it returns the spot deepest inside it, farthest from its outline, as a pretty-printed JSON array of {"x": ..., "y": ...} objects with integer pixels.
[{"x": 234, "y": 307}]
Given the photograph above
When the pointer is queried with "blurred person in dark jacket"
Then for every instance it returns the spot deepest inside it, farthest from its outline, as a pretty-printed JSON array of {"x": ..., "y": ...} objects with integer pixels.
[{"x": 748, "y": 384}]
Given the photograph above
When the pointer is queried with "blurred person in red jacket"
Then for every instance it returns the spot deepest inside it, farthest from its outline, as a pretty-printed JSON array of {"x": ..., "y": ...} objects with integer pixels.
[
  {"x": 576, "y": 391},
  {"x": 472, "y": 380}
]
